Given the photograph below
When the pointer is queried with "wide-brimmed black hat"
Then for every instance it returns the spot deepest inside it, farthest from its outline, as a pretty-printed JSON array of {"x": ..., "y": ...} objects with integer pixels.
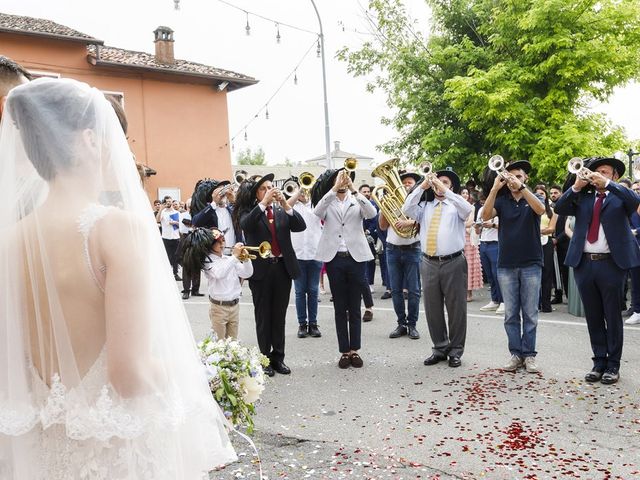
[
  {"x": 221, "y": 183},
  {"x": 519, "y": 165},
  {"x": 260, "y": 181},
  {"x": 453, "y": 176},
  {"x": 325, "y": 182},
  {"x": 417, "y": 177},
  {"x": 618, "y": 165}
]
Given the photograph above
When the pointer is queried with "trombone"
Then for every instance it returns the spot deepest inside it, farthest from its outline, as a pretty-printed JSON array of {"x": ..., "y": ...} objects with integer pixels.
[{"x": 263, "y": 251}]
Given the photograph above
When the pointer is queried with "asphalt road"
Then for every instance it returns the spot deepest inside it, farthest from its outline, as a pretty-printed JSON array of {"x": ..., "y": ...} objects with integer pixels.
[{"x": 398, "y": 419}]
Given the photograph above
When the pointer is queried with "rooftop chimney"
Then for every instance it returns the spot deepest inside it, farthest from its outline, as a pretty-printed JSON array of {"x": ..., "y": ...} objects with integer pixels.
[
  {"x": 336, "y": 145},
  {"x": 164, "y": 45}
]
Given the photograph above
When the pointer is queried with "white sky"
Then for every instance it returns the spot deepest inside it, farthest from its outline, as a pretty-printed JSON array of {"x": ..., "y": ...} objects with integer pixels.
[{"x": 210, "y": 32}]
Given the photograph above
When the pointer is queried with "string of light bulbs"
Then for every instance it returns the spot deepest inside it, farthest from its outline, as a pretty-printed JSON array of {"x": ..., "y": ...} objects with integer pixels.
[{"x": 265, "y": 107}]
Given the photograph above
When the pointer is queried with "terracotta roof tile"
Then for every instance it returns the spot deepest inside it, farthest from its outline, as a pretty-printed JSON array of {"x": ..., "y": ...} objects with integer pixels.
[
  {"x": 146, "y": 60},
  {"x": 31, "y": 25}
]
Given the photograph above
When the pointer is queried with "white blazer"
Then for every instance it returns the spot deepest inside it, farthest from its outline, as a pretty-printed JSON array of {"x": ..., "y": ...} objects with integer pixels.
[{"x": 347, "y": 225}]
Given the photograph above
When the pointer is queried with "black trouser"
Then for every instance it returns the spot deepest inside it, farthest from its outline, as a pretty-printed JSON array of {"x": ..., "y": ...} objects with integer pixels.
[
  {"x": 171, "y": 246},
  {"x": 270, "y": 302},
  {"x": 601, "y": 286},
  {"x": 548, "y": 272},
  {"x": 190, "y": 280},
  {"x": 347, "y": 280},
  {"x": 561, "y": 251},
  {"x": 367, "y": 298}
]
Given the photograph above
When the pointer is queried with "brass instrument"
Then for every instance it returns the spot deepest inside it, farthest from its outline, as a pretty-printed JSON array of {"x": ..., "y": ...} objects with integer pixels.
[
  {"x": 307, "y": 180},
  {"x": 240, "y": 176},
  {"x": 350, "y": 164},
  {"x": 426, "y": 168},
  {"x": 391, "y": 195},
  {"x": 496, "y": 164},
  {"x": 576, "y": 166},
  {"x": 263, "y": 250},
  {"x": 289, "y": 187}
]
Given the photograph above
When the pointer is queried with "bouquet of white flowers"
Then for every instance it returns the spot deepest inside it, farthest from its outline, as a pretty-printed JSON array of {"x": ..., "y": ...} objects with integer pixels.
[{"x": 235, "y": 377}]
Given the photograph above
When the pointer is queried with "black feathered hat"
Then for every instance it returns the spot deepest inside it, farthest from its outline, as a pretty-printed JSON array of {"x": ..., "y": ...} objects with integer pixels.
[
  {"x": 197, "y": 246},
  {"x": 325, "y": 182},
  {"x": 201, "y": 196}
]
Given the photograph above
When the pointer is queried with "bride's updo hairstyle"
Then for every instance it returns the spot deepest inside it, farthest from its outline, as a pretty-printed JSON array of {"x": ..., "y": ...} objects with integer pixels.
[{"x": 50, "y": 115}]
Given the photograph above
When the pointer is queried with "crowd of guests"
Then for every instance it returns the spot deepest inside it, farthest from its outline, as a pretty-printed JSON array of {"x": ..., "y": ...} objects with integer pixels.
[{"x": 515, "y": 238}]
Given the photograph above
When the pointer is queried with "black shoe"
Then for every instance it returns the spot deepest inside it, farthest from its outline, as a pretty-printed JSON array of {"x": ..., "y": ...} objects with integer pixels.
[
  {"x": 303, "y": 330},
  {"x": 177, "y": 277},
  {"x": 185, "y": 296},
  {"x": 435, "y": 358},
  {"x": 345, "y": 361},
  {"x": 268, "y": 371},
  {"x": 398, "y": 332},
  {"x": 610, "y": 376},
  {"x": 454, "y": 361},
  {"x": 313, "y": 330},
  {"x": 197, "y": 294},
  {"x": 356, "y": 361},
  {"x": 628, "y": 312},
  {"x": 594, "y": 375},
  {"x": 386, "y": 295},
  {"x": 368, "y": 316},
  {"x": 281, "y": 368},
  {"x": 413, "y": 333}
]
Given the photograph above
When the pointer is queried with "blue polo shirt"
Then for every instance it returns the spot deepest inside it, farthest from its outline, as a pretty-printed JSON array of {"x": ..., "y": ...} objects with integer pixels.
[{"x": 518, "y": 234}]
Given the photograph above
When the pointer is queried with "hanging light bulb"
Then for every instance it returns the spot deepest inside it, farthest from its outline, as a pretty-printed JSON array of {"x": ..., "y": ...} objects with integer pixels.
[
  {"x": 318, "y": 49},
  {"x": 233, "y": 147},
  {"x": 247, "y": 28},
  {"x": 176, "y": 4},
  {"x": 266, "y": 113},
  {"x": 295, "y": 77},
  {"x": 245, "y": 134},
  {"x": 278, "y": 33}
]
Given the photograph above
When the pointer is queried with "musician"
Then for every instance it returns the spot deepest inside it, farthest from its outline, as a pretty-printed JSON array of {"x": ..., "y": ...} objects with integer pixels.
[
  {"x": 305, "y": 245},
  {"x": 519, "y": 260},
  {"x": 263, "y": 214},
  {"x": 442, "y": 214},
  {"x": 601, "y": 251},
  {"x": 218, "y": 213},
  {"x": 403, "y": 266},
  {"x": 344, "y": 249},
  {"x": 561, "y": 243}
]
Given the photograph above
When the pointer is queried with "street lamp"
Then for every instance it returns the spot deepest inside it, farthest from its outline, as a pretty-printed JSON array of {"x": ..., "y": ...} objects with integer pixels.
[
  {"x": 324, "y": 88},
  {"x": 630, "y": 153}
]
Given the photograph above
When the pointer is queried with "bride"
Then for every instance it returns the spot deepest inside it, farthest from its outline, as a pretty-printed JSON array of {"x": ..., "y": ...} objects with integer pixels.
[{"x": 99, "y": 375}]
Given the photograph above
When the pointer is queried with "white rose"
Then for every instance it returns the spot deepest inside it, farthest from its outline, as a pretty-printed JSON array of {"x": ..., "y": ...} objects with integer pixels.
[{"x": 251, "y": 389}]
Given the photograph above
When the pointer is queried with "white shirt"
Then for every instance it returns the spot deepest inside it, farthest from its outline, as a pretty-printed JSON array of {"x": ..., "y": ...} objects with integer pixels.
[
  {"x": 168, "y": 230},
  {"x": 305, "y": 243},
  {"x": 344, "y": 204},
  {"x": 451, "y": 231},
  {"x": 488, "y": 234},
  {"x": 182, "y": 228},
  {"x": 225, "y": 225},
  {"x": 601, "y": 245},
  {"x": 394, "y": 239},
  {"x": 223, "y": 274}
]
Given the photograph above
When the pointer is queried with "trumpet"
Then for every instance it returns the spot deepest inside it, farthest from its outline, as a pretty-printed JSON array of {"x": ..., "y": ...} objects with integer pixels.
[
  {"x": 307, "y": 181},
  {"x": 350, "y": 164},
  {"x": 289, "y": 187},
  {"x": 576, "y": 166},
  {"x": 426, "y": 168},
  {"x": 240, "y": 176},
  {"x": 496, "y": 164},
  {"x": 263, "y": 251}
]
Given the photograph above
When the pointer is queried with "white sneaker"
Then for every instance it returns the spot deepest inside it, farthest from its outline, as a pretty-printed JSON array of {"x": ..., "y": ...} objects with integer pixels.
[
  {"x": 490, "y": 307},
  {"x": 633, "y": 319},
  {"x": 371, "y": 289},
  {"x": 530, "y": 365},
  {"x": 500, "y": 309},
  {"x": 514, "y": 363}
]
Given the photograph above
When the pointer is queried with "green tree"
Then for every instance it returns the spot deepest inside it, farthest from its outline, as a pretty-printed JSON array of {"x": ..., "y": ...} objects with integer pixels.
[
  {"x": 247, "y": 157},
  {"x": 508, "y": 77}
]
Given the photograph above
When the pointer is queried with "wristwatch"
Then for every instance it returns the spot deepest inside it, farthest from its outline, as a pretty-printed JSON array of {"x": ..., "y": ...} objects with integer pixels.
[{"x": 522, "y": 187}]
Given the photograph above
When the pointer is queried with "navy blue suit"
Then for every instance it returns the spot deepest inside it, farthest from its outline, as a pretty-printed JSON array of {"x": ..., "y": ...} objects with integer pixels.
[
  {"x": 601, "y": 281},
  {"x": 208, "y": 218}
]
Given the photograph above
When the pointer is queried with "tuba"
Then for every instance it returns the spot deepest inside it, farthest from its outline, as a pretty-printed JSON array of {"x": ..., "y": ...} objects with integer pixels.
[
  {"x": 263, "y": 250},
  {"x": 391, "y": 195}
]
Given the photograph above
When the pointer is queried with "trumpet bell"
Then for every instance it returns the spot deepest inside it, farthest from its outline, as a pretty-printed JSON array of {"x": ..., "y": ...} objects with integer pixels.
[
  {"x": 263, "y": 250},
  {"x": 240, "y": 176},
  {"x": 496, "y": 163},
  {"x": 426, "y": 168},
  {"x": 307, "y": 180},
  {"x": 575, "y": 165},
  {"x": 350, "y": 164},
  {"x": 290, "y": 187}
]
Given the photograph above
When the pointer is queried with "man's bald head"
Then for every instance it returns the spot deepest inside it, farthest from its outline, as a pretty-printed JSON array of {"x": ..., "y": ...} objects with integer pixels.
[{"x": 11, "y": 75}]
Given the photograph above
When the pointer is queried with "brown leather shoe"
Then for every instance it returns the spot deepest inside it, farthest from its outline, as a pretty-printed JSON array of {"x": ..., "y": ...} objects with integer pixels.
[
  {"x": 368, "y": 316},
  {"x": 356, "y": 361}
]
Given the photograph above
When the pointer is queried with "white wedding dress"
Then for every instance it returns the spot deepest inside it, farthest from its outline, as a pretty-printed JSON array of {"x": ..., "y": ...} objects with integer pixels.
[{"x": 99, "y": 374}]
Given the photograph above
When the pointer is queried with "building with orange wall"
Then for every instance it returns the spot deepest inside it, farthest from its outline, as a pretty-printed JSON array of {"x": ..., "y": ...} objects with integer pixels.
[{"x": 176, "y": 109}]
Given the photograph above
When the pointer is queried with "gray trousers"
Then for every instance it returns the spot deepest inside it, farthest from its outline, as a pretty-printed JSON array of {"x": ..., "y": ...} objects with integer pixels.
[{"x": 444, "y": 283}]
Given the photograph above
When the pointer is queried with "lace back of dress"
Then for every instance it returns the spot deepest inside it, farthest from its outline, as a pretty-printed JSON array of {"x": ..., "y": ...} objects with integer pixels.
[{"x": 86, "y": 222}]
